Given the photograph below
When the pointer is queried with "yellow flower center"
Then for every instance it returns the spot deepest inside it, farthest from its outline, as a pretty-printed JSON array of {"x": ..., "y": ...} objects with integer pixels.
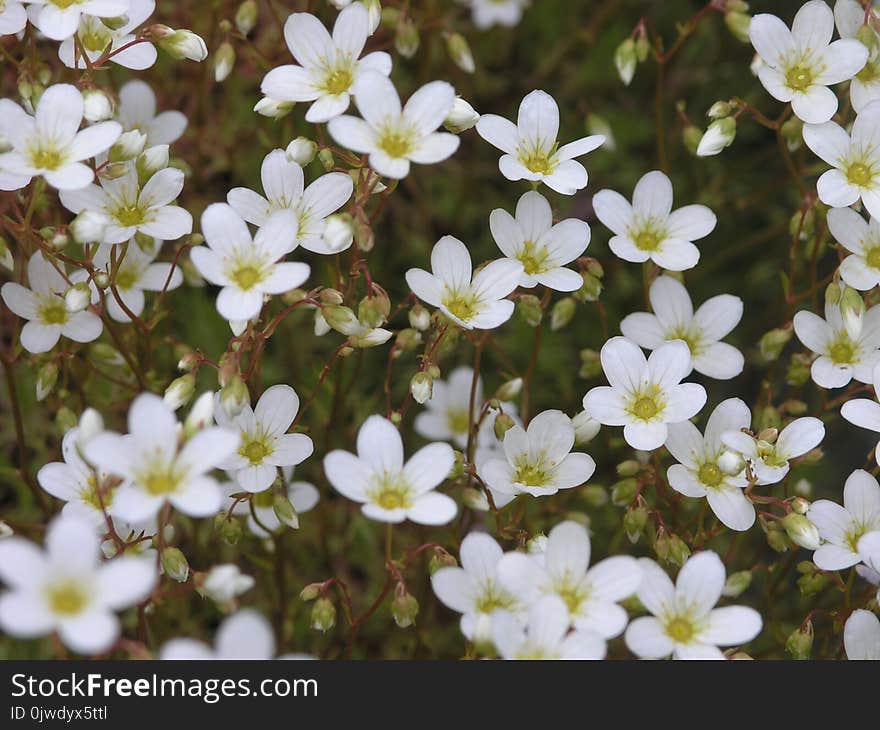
[
  {"x": 645, "y": 408},
  {"x": 463, "y": 306},
  {"x": 67, "y": 598},
  {"x": 690, "y": 339},
  {"x": 129, "y": 215},
  {"x": 533, "y": 259},
  {"x": 647, "y": 240},
  {"x": 872, "y": 257},
  {"x": 859, "y": 174},
  {"x": 246, "y": 276},
  {"x": 493, "y": 598},
  {"x": 573, "y": 596},
  {"x": 53, "y": 312},
  {"x": 255, "y": 450},
  {"x": 842, "y": 351},
  {"x": 537, "y": 161},
  {"x": 869, "y": 72},
  {"x": 680, "y": 630},
  {"x": 394, "y": 143},
  {"x": 159, "y": 481},
  {"x": 338, "y": 80},
  {"x": 90, "y": 495},
  {"x": 126, "y": 279},
  {"x": 532, "y": 474},
  {"x": 47, "y": 158},
  {"x": 799, "y": 77},
  {"x": 457, "y": 420},
  {"x": 63, "y": 4},
  {"x": 391, "y": 492},
  {"x": 710, "y": 474}
]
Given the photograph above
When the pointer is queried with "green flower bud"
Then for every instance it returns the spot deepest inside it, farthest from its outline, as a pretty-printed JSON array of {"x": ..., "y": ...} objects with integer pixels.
[
  {"x": 591, "y": 365},
  {"x": 224, "y": 61},
  {"x": 624, "y": 491},
  {"x": 503, "y": 423},
  {"x": 738, "y": 25},
  {"x": 801, "y": 531},
  {"x": 285, "y": 511},
  {"x": 246, "y": 16},
  {"x": 325, "y": 157},
  {"x": 690, "y": 137},
  {"x": 406, "y": 38},
  {"x": 509, "y": 390},
  {"x": 562, "y": 313},
  {"x": 591, "y": 289},
  {"x": 799, "y": 643},
  {"x": 302, "y": 151},
  {"x": 441, "y": 559},
  {"x": 719, "y": 135},
  {"x": 634, "y": 522},
  {"x": 404, "y": 607},
  {"x": 679, "y": 552},
  {"x": 179, "y": 44},
  {"x": 421, "y": 385},
  {"x": 77, "y": 297},
  {"x": 47, "y": 376},
  {"x": 798, "y": 372},
  {"x": 626, "y": 60},
  {"x": 773, "y": 342},
  {"x": 174, "y": 564},
  {"x": 180, "y": 391},
  {"x": 594, "y": 495},
  {"x": 737, "y": 583},
  {"x": 323, "y": 615},
  {"x": 460, "y": 52},
  {"x": 529, "y": 308},
  {"x": 311, "y": 591}
]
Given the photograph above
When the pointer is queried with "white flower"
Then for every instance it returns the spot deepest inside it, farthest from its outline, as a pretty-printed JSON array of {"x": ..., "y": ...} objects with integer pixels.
[
  {"x": 472, "y": 302},
  {"x": 769, "y": 461},
  {"x": 649, "y": 229},
  {"x": 283, "y": 185},
  {"x": 136, "y": 274},
  {"x": 247, "y": 268},
  {"x": 388, "y": 489},
  {"x": 137, "y": 111},
  {"x": 265, "y": 444},
  {"x": 224, "y": 582},
  {"x": 73, "y": 481},
  {"x": 841, "y": 357},
  {"x": 849, "y": 16},
  {"x": 544, "y": 635},
  {"x": 329, "y": 66},
  {"x": 13, "y": 17},
  {"x": 644, "y": 395},
  {"x": 531, "y": 149},
  {"x": 538, "y": 460},
  {"x": 590, "y": 595},
  {"x": 685, "y": 621},
  {"x": 157, "y": 467},
  {"x": 66, "y": 589},
  {"x": 487, "y": 13},
  {"x": 542, "y": 248},
  {"x": 48, "y": 143},
  {"x": 244, "y": 635},
  {"x": 43, "y": 306},
  {"x": 861, "y": 636},
  {"x": 302, "y": 495},
  {"x": 698, "y": 473},
  {"x": 59, "y": 19},
  {"x": 800, "y": 64},
  {"x": 855, "y": 157},
  {"x": 130, "y": 208},
  {"x": 394, "y": 136},
  {"x": 96, "y": 38},
  {"x": 861, "y": 270},
  {"x": 842, "y": 527},
  {"x": 474, "y": 590},
  {"x": 674, "y": 319}
]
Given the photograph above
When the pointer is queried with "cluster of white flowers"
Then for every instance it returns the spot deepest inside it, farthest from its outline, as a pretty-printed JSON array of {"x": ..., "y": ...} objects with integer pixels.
[{"x": 111, "y": 168}]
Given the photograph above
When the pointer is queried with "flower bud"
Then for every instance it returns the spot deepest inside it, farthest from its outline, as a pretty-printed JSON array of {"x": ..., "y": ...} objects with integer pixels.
[
  {"x": 404, "y": 607},
  {"x": 509, "y": 390},
  {"x": 461, "y": 117},
  {"x": 719, "y": 135},
  {"x": 738, "y": 24},
  {"x": 228, "y": 528},
  {"x": 374, "y": 13},
  {"x": 285, "y": 511},
  {"x": 624, "y": 491},
  {"x": 529, "y": 308},
  {"x": 180, "y": 391},
  {"x": 474, "y": 499},
  {"x": 691, "y": 135},
  {"x": 460, "y": 52},
  {"x": 57, "y": 239},
  {"x": 562, "y": 313},
  {"x": 273, "y": 108},
  {"x": 422, "y": 387},
  {"x": 503, "y": 423},
  {"x": 90, "y": 425},
  {"x": 634, "y": 522},
  {"x": 338, "y": 231},
  {"x": 737, "y": 583},
  {"x": 151, "y": 160},
  {"x": 628, "y": 468},
  {"x": 182, "y": 44},
  {"x": 852, "y": 309},
  {"x": 591, "y": 289},
  {"x": 47, "y": 376},
  {"x": 596, "y": 124},
  {"x": 798, "y": 372},
  {"x": 419, "y": 317},
  {"x": 224, "y": 61},
  {"x": 793, "y": 134},
  {"x": 591, "y": 366},
  {"x": 719, "y": 110},
  {"x": 772, "y": 343},
  {"x": 128, "y": 146},
  {"x": 731, "y": 463},
  {"x": 6, "y": 260},
  {"x": 801, "y": 531},
  {"x": 776, "y": 538},
  {"x": 97, "y": 105},
  {"x": 585, "y": 428},
  {"x": 77, "y": 297},
  {"x": 246, "y": 16},
  {"x": 626, "y": 60},
  {"x": 406, "y": 37},
  {"x": 323, "y": 615},
  {"x": 200, "y": 416},
  {"x": 374, "y": 310},
  {"x": 679, "y": 552},
  {"x": 65, "y": 419},
  {"x": 800, "y": 506},
  {"x": 174, "y": 564},
  {"x": 441, "y": 559},
  {"x": 234, "y": 396},
  {"x": 800, "y": 642},
  {"x": 302, "y": 151},
  {"x": 311, "y": 591}
]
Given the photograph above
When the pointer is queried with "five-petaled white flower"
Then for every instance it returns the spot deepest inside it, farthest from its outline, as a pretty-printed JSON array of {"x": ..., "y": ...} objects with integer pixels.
[
  {"x": 543, "y": 248},
  {"x": 44, "y": 308},
  {"x": 855, "y": 157},
  {"x": 247, "y": 268},
  {"x": 156, "y": 467},
  {"x": 137, "y": 111},
  {"x": 538, "y": 460},
  {"x": 644, "y": 395},
  {"x": 649, "y": 229},
  {"x": 130, "y": 208},
  {"x": 590, "y": 595},
  {"x": 800, "y": 64},
  {"x": 861, "y": 636},
  {"x": 59, "y": 19},
  {"x": 861, "y": 270},
  {"x": 674, "y": 319},
  {"x": 394, "y": 136},
  {"x": 329, "y": 65},
  {"x": 769, "y": 461},
  {"x": 841, "y": 357},
  {"x": 530, "y": 146},
  {"x": 388, "y": 489},
  {"x": 136, "y": 273},
  {"x": 841, "y": 528},
  {"x": 474, "y": 590},
  {"x": 283, "y": 185},
  {"x": 265, "y": 444},
  {"x": 471, "y": 301},
  {"x": 685, "y": 622},
  {"x": 698, "y": 473},
  {"x": 545, "y": 634},
  {"x": 49, "y": 143},
  {"x": 96, "y": 38},
  {"x": 65, "y": 588}
]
